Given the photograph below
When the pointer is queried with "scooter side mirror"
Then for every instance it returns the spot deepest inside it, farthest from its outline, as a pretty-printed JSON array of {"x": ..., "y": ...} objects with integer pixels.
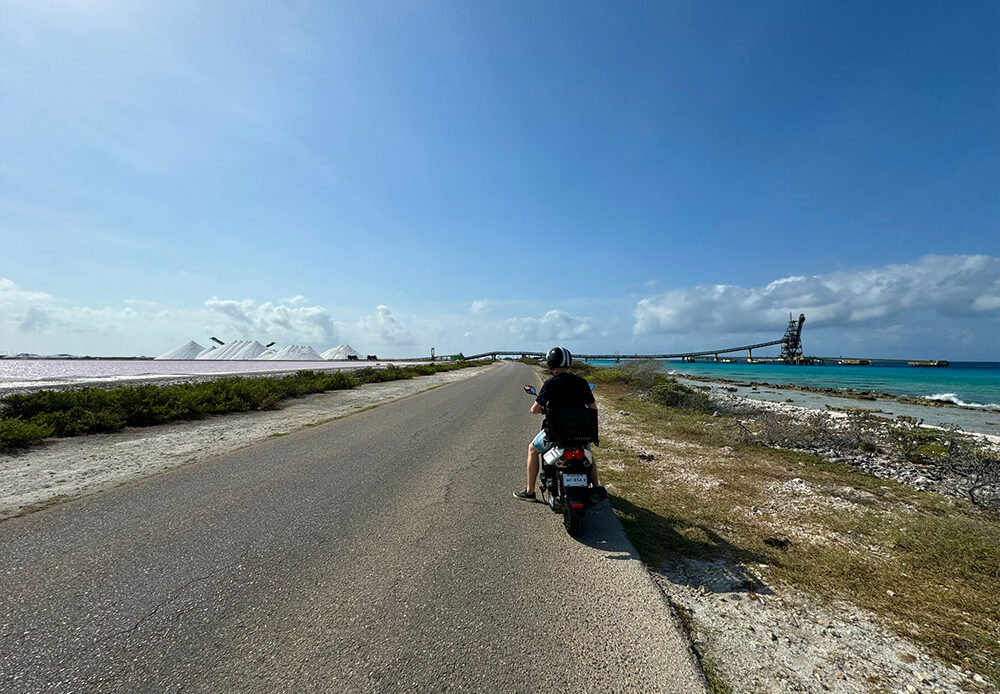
[
  {"x": 591, "y": 386},
  {"x": 530, "y": 390}
]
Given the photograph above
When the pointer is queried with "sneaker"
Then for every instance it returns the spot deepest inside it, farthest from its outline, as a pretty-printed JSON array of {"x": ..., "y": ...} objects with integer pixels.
[{"x": 523, "y": 495}]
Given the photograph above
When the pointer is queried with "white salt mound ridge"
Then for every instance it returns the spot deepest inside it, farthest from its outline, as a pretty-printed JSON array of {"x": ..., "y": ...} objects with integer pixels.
[
  {"x": 204, "y": 354},
  {"x": 294, "y": 353},
  {"x": 340, "y": 352},
  {"x": 236, "y": 350},
  {"x": 188, "y": 350}
]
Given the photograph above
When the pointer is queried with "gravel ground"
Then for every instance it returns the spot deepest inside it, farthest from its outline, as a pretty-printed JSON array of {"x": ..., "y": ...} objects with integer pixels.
[
  {"x": 63, "y": 469},
  {"x": 919, "y": 476},
  {"x": 774, "y": 638}
]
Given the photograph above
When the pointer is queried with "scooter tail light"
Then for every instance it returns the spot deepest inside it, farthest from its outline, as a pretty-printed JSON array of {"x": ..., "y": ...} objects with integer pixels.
[{"x": 577, "y": 505}]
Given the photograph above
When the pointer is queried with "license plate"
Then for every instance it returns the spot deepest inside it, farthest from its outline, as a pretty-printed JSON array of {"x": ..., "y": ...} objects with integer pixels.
[{"x": 574, "y": 480}]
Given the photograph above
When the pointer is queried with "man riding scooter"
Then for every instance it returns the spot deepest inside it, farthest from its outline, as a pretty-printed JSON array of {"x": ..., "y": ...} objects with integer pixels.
[{"x": 564, "y": 390}]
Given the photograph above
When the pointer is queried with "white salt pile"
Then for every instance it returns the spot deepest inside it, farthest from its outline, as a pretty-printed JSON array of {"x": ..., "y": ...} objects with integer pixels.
[
  {"x": 235, "y": 351},
  {"x": 294, "y": 353},
  {"x": 188, "y": 350},
  {"x": 340, "y": 352},
  {"x": 245, "y": 350},
  {"x": 204, "y": 354}
]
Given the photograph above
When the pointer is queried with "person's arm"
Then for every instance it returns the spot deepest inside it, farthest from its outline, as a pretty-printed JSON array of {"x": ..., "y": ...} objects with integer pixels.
[
  {"x": 543, "y": 397},
  {"x": 589, "y": 395}
]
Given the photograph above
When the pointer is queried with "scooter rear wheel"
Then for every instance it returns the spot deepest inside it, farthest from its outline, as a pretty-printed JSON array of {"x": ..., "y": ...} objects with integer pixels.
[{"x": 573, "y": 520}]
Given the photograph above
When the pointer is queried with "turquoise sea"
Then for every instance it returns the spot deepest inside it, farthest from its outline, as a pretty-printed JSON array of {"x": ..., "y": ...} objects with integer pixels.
[{"x": 969, "y": 384}]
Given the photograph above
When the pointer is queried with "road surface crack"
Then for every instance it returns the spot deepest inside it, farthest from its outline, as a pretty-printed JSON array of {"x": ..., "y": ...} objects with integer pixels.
[{"x": 174, "y": 596}]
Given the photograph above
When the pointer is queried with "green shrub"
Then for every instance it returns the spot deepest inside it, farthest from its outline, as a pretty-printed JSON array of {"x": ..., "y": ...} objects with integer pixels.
[
  {"x": 305, "y": 382},
  {"x": 606, "y": 376},
  {"x": 641, "y": 374},
  {"x": 78, "y": 420},
  {"x": 25, "y": 419},
  {"x": 424, "y": 369},
  {"x": 16, "y": 433},
  {"x": 644, "y": 373},
  {"x": 667, "y": 391},
  {"x": 389, "y": 373}
]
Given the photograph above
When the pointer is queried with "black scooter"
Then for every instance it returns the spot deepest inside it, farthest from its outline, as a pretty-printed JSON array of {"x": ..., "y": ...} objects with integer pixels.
[{"x": 564, "y": 471}]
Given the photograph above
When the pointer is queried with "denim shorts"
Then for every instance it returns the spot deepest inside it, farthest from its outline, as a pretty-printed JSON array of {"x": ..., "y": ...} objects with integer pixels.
[{"x": 542, "y": 444}]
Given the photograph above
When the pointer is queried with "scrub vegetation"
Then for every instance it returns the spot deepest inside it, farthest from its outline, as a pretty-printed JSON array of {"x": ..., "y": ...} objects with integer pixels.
[
  {"x": 694, "y": 482},
  {"x": 31, "y": 418}
]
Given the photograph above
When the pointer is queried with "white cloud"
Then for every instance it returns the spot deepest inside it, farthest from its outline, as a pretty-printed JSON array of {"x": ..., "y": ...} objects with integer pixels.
[
  {"x": 384, "y": 329},
  {"x": 478, "y": 306},
  {"x": 26, "y": 311},
  {"x": 14, "y": 297},
  {"x": 554, "y": 325},
  {"x": 988, "y": 302},
  {"x": 285, "y": 321},
  {"x": 950, "y": 286},
  {"x": 35, "y": 320},
  {"x": 936, "y": 307}
]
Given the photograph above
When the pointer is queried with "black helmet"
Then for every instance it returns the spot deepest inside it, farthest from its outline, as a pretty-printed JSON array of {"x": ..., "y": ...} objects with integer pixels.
[{"x": 559, "y": 357}]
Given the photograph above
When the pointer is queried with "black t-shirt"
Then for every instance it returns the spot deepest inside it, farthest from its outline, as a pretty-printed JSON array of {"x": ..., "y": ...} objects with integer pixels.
[{"x": 565, "y": 390}]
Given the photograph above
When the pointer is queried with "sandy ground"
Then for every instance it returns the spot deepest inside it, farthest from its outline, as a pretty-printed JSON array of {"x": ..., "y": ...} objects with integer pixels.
[
  {"x": 64, "y": 469},
  {"x": 777, "y": 639}
]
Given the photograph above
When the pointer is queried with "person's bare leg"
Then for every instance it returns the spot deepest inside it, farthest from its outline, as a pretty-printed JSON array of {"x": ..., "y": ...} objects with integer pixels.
[
  {"x": 593, "y": 475},
  {"x": 532, "y": 468}
]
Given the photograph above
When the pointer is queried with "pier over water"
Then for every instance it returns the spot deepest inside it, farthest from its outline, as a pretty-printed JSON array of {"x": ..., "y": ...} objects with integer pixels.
[{"x": 791, "y": 353}]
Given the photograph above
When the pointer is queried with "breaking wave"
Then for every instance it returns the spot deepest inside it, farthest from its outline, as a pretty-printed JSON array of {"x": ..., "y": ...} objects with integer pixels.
[{"x": 955, "y": 400}]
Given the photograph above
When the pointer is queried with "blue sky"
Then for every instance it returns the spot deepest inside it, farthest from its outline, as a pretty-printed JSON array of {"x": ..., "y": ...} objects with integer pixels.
[{"x": 611, "y": 176}]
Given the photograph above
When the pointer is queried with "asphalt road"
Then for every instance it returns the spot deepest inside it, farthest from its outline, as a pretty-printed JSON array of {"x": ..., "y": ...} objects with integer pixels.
[{"x": 381, "y": 552}]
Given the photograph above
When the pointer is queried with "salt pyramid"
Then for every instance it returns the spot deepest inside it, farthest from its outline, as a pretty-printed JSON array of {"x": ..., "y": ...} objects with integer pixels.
[
  {"x": 294, "y": 353},
  {"x": 235, "y": 351},
  {"x": 245, "y": 350},
  {"x": 189, "y": 350},
  {"x": 340, "y": 352}
]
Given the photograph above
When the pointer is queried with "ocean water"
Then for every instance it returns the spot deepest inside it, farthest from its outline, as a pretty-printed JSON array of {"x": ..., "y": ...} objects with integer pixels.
[{"x": 970, "y": 384}]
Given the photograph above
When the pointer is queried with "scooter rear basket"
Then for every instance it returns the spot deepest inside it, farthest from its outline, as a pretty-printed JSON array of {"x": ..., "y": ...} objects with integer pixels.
[{"x": 577, "y": 427}]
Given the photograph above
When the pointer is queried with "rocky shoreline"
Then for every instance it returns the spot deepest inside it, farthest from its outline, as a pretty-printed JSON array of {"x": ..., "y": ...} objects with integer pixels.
[
  {"x": 977, "y": 421},
  {"x": 849, "y": 393},
  {"x": 918, "y": 475}
]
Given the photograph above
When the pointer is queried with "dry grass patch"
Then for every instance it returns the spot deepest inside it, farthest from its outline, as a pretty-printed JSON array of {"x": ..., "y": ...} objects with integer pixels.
[{"x": 927, "y": 565}]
